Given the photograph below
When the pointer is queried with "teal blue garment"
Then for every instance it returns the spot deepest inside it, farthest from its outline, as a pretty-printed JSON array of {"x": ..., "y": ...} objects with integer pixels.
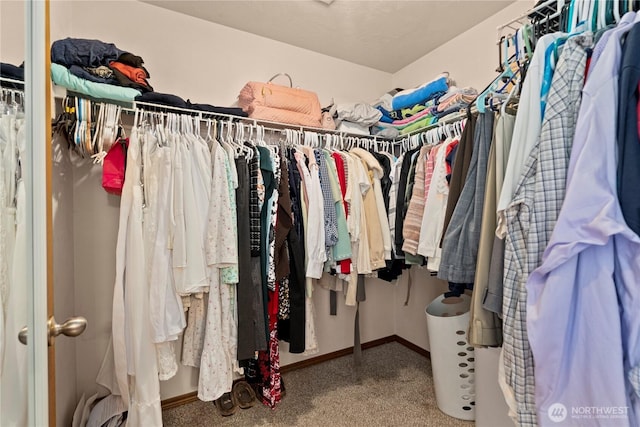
[
  {"x": 551, "y": 58},
  {"x": 547, "y": 76},
  {"x": 342, "y": 249},
  {"x": 63, "y": 77}
]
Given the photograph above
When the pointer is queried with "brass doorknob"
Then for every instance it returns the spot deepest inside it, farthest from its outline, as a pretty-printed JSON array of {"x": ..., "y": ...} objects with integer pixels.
[{"x": 71, "y": 327}]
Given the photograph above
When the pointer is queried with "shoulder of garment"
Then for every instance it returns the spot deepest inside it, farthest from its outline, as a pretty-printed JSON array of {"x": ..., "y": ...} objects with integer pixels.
[
  {"x": 369, "y": 160},
  {"x": 360, "y": 174}
]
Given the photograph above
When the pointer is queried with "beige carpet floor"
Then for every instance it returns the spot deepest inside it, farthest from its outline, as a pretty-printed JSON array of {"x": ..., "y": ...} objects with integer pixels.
[{"x": 392, "y": 387}]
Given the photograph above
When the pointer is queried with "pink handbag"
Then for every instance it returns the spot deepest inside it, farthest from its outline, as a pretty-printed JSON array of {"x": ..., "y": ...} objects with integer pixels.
[{"x": 272, "y": 97}]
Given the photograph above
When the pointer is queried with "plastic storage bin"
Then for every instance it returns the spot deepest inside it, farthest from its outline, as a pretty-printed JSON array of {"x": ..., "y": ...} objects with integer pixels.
[{"x": 452, "y": 358}]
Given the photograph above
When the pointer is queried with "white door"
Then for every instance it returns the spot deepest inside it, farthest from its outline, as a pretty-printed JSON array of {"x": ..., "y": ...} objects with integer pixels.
[{"x": 27, "y": 328}]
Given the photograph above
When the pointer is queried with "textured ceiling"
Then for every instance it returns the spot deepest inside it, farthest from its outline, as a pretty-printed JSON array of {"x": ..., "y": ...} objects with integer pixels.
[{"x": 386, "y": 35}]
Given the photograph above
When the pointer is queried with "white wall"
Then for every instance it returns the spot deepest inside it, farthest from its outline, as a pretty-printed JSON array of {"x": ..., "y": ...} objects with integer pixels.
[
  {"x": 12, "y": 31},
  {"x": 471, "y": 58},
  {"x": 210, "y": 63},
  {"x": 411, "y": 320}
]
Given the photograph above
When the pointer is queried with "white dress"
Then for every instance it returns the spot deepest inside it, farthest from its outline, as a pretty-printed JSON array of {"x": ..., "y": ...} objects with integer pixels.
[
  {"x": 193, "y": 277},
  {"x": 165, "y": 308},
  {"x": 219, "y": 352},
  {"x": 199, "y": 165},
  {"x": 134, "y": 351}
]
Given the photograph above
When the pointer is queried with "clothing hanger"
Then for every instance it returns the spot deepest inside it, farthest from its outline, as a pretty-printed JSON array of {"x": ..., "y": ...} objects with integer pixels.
[
  {"x": 239, "y": 134},
  {"x": 583, "y": 12},
  {"x": 481, "y": 99},
  {"x": 328, "y": 140},
  {"x": 238, "y": 144},
  {"x": 500, "y": 67},
  {"x": 79, "y": 110},
  {"x": 515, "y": 90},
  {"x": 505, "y": 53},
  {"x": 600, "y": 14},
  {"x": 573, "y": 15},
  {"x": 288, "y": 137},
  {"x": 99, "y": 127},
  {"x": 616, "y": 11}
]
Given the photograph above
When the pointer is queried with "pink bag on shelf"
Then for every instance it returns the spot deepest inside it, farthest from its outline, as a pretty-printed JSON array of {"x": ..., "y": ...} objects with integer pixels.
[{"x": 263, "y": 100}]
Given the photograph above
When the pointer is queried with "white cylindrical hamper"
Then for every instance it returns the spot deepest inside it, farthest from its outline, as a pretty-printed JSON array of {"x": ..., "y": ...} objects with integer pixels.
[{"x": 452, "y": 358}]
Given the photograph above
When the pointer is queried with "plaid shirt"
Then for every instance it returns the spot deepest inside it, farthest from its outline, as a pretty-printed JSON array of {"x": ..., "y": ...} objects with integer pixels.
[
  {"x": 254, "y": 205},
  {"x": 532, "y": 214},
  {"x": 330, "y": 215}
]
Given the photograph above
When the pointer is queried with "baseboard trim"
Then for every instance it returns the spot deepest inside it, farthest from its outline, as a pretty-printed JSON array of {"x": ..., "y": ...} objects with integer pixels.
[
  {"x": 183, "y": 399},
  {"x": 411, "y": 346},
  {"x": 334, "y": 355},
  {"x": 193, "y": 396}
]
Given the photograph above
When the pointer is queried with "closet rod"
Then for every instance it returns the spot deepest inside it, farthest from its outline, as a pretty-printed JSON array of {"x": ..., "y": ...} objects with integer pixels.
[
  {"x": 526, "y": 15},
  {"x": 8, "y": 80},
  {"x": 462, "y": 114},
  {"x": 200, "y": 113},
  {"x": 139, "y": 105}
]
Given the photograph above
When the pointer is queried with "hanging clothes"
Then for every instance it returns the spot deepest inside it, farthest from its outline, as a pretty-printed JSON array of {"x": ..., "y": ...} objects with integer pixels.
[
  {"x": 131, "y": 304},
  {"x": 245, "y": 291},
  {"x": 13, "y": 268},
  {"x": 485, "y": 328},
  {"x": 219, "y": 352},
  {"x": 531, "y": 215},
  {"x": 460, "y": 243},
  {"x": 492, "y": 300},
  {"x": 435, "y": 206},
  {"x": 590, "y": 261},
  {"x": 460, "y": 169}
]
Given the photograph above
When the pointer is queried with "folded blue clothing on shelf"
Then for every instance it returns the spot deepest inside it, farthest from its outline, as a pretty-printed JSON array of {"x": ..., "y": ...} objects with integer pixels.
[
  {"x": 409, "y": 98},
  {"x": 12, "y": 72},
  {"x": 63, "y": 77},
  {"x": 404, "y": 113},
  {"x": 84, "y": 52}
]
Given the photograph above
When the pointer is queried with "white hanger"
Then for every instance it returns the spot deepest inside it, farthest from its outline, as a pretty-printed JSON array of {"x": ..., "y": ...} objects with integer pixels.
[
  {"x": 587, "y": 10},
  {"x": 514, "y": 90},
  {"x": 602, "y": 15},
  {"x": 288, "y": 137},
  {"x": 616, "y": 11},
  {"x": 575, "y": 18}
]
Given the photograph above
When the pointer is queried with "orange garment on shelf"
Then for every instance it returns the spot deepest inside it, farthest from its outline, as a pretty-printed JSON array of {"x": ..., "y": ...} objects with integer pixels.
[{"x": 136, "y": 75}]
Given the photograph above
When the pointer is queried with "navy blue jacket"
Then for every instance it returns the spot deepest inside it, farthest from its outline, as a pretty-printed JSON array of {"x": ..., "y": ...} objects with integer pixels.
[
  {"x": 84, "y": 52},
  {"x": 628, "y": 173}
]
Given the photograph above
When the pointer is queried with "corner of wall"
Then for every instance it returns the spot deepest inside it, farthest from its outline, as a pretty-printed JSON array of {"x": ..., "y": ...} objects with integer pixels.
[
  {"x": 410, "y": 320},
  {"x": 470, "y": 57}
]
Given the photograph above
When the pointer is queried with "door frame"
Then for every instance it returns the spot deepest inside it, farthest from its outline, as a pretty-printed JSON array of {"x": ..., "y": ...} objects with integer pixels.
[{"x": 38, "y": 206}]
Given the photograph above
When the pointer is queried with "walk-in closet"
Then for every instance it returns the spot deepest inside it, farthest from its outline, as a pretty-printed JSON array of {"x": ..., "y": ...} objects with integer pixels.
[{"x": 319, "y": 212}]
